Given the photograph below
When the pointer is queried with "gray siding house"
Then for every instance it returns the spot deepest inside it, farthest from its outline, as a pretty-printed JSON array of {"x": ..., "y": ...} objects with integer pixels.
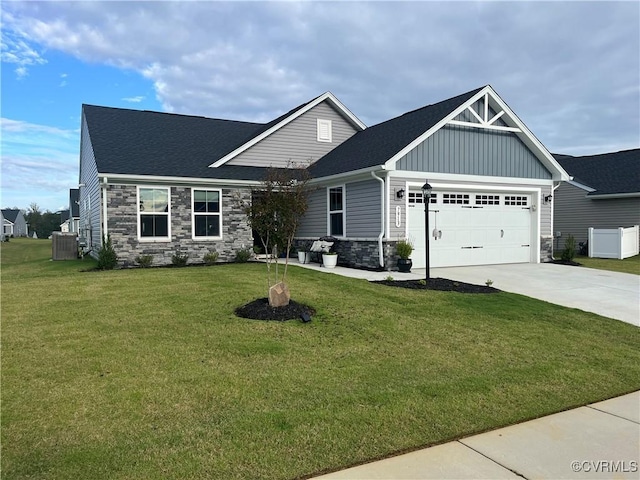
[
  {"x": 14, "y": 223},
  {"x": 604, "y": 192},
  {"x": 159, "y": 183}
]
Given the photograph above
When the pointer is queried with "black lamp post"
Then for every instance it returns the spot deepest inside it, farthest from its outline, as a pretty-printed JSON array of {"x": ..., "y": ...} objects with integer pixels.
[{"x": 426, "y": 195}]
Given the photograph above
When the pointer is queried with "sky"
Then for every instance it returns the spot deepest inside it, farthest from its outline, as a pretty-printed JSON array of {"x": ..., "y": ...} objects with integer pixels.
[{"x": 569, "y": 70}]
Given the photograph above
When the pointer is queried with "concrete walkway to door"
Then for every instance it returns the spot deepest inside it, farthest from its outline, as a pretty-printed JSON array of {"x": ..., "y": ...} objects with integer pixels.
[{"x": 610, "y": 294}]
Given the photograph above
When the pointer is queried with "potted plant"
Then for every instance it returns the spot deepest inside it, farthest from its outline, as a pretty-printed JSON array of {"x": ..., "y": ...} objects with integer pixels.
[
  {"x": 330, "y": 259},
  {"x": 304, "y": 255},
  {"x": 404, "y": 248}
]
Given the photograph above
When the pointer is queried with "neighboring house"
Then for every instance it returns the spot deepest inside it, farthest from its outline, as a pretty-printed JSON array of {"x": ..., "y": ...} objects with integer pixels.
[
  {"x": 604, "y": 192},
  {"x": 13, "y": 223},
  {"x": 64, "y": 221},
  {"x": 158, "y": 183},
  {"x": 74, "y": 210}
]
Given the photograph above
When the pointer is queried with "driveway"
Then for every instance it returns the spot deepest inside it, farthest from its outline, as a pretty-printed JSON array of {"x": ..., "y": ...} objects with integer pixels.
[{"x": 610, "y": 294}]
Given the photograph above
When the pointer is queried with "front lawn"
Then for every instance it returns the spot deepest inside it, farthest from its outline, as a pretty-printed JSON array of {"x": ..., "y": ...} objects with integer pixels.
[
  {"x": 147, "y": 373},
  {"x": 627, "y": 265}
]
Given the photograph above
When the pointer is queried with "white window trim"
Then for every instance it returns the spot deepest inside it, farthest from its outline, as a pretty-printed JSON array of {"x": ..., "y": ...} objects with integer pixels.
[
  {"x": 193, "y": 214},
  {"x": 344, "y": 210},
  {"x": 327, "y": 123},
  {"x": 142, "y": 239}
]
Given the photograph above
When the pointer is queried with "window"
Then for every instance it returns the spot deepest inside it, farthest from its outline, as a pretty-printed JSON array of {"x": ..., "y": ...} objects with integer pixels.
[
  {"x": 487, "y": 199},
  {"x": 516, "y": 200},
  {"x": 206, "y": 214},
  {"x": 455, "y": 198},
  {"x": 336, "y": 211},
  {"x": 153, "y": 213},
  {"x": 324, "y": 130}
]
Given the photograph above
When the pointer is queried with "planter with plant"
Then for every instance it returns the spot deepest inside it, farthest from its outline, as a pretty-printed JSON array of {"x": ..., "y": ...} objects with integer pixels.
[
  {"x": 330, "y": 259},
  {"x": 404, "y": 249},
  {"x": 304, "y": 255}
]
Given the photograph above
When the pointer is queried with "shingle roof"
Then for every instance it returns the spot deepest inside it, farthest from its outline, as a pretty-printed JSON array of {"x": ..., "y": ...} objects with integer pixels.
[
  {"x": 10, "y": 214},
  {"x": 607, "y": 173},
  {"x": 139, "y": 142},
  {"x": 377, "y": 144}
]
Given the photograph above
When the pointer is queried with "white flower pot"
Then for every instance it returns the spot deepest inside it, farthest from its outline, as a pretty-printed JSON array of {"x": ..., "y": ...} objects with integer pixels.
[
  {"x": 329, "y": 261},
  {"x": 304, "y": 257}
]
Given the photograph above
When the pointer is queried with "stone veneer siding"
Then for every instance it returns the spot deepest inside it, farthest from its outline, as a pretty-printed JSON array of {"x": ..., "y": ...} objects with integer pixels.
[
  {"x": 546, "y": 249},
  {"x": 359, "y": 253},
  {"x": 123, "y": 227}
]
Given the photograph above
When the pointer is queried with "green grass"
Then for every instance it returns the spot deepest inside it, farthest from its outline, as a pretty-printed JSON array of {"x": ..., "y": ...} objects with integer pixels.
[
  {"x": 627, "y": 265},
  {"x": 147, "y": 373}
]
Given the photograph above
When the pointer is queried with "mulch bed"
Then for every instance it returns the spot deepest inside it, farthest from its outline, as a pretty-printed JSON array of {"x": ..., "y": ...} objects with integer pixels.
[
  {"x": 441, "y": 284},
  {"x": 260, "y": 310},
  {"x": 566, "y": 262}
]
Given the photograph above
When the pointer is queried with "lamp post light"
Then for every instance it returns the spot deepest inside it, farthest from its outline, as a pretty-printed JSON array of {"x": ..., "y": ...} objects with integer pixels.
[{"x": 426, "y": 195}]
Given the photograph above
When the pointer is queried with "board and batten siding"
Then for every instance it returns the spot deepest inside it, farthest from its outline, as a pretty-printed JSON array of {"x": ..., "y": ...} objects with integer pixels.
[
  {"x": 574, "y": 213},
  {"x": 297, "y": 142},
  {"x": 89, "y": 195},
  {"x": 472, "y": 151}
]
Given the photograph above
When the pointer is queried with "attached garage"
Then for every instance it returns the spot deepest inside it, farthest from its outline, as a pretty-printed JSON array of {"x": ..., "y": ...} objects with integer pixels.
[{"x": 473, "y": 227}]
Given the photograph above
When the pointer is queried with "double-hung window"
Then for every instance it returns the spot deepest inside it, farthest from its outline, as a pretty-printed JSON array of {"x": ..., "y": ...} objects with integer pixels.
[
  {"x": 153, "y": 213},
  {"x": 336, "y": 211},
  {"x": 206, "y": 214}
]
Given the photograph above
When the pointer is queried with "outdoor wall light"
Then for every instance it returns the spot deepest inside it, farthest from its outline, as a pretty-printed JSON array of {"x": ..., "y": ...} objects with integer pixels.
[
  {"x": 400, "y": 194},
  {"x": 548, "y": 198}
]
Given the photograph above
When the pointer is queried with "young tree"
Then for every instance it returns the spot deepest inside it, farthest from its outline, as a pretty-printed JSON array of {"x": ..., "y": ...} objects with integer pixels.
[{"x": 275, "y": 214}]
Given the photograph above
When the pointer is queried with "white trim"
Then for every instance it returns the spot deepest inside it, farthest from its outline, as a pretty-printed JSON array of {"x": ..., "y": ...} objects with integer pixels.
[
  {"x": 326, "y": 96},
  {"x": 322, "y": 123},
  {"x": 208, "y": 214},
  {"x": 363, "y": 173},
  {"x": 125, "y": 179},
  {"x": 485, "y": 126},
  {"x": 469, "y": 178},
  {"x": 344, "y": 210},
  {"x": 105, "y": 222},
  {"x": 525, "y": 135},
  {"x": 142, "y": 239},
  {"x": 462, "y": 186}
]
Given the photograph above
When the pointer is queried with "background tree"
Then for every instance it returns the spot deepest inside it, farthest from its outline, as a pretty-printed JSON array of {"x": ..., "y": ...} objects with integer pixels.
[
  {"x": 275, "y": 213},
  {"x": 43, "y": 223}
]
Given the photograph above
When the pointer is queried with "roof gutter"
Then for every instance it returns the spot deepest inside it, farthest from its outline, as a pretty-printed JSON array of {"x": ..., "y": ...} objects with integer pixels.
[{"x": 382, "y": 219}]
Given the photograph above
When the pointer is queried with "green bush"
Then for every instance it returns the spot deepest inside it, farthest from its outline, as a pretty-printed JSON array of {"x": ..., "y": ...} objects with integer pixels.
[
  {"x": 243, "y": 256},
  {"x": 179, "y": 259},
  {"x": 569, "y": 251},
  {"x": 144, "y": 261},
  {"x": 211, "y": 257},
  {"x": 107, "y": 258},
  {"x": 404, "y": 248}
]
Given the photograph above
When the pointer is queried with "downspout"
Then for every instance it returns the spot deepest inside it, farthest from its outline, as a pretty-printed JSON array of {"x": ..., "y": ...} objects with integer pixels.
[
  {"x": 104, "y": 207},
  {"x": 382, "y": 222},
  {"x": 553, "y": 233}
]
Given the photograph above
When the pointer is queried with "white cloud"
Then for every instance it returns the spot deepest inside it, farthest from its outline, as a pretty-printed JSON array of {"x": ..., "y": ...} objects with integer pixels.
[
  {"x": 137, "y": 99},
  {"x": 570, "y": 70},
  {"x": 16, "y": 50}
]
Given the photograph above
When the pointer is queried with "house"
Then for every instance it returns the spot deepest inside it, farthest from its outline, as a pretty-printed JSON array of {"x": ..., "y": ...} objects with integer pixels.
[
  {"x": 70, "y": 218},
  {"x": 158, "y": 182},
  {"x": 604, "y": 192},
  {"x": 14, "y": 223}
]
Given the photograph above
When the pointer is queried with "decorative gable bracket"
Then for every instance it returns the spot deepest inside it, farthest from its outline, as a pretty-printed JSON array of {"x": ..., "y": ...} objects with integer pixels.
[{"x": 483, "y": 120}]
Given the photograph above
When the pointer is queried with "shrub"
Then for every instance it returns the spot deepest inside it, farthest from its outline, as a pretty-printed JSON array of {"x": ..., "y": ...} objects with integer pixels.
[
  {"x": 179, "y": 259},
  {"x": 211, "y": 257},
  {"x": 243, "y": 255},
  {"x": 107, "y": 258},
  {"x": 404, "y": 248},
  {"x": 144, "y": 261},
  {"x": 569, "y": 251}
]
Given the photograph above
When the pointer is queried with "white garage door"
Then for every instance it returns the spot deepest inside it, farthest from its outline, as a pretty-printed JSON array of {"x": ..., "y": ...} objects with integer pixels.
[{"x": 469, "y": 228}]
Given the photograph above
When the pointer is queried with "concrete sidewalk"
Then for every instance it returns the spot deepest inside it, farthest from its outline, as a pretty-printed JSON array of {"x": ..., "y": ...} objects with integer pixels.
[
  {"x": 598, "y": 441},
  {"x": 610, "y": 294}
]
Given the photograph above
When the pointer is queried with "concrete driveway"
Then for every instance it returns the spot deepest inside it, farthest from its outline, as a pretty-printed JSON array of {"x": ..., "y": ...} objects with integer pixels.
[{"x": 610, "y": 294}]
